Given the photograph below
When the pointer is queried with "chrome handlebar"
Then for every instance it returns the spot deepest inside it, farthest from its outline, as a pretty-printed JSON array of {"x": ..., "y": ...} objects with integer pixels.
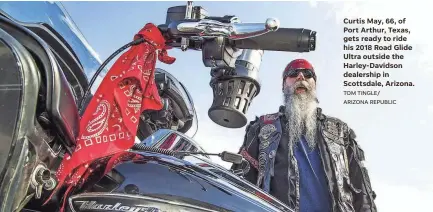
[{"x": 213, "y": 28}]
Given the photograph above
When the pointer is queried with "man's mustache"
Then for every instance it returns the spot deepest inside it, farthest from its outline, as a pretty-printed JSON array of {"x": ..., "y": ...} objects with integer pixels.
[{"x": 301, "y": 84}]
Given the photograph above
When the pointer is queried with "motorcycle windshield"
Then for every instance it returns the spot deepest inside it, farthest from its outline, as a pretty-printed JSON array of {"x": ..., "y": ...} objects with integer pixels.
[{"x": 56, "y": 16}]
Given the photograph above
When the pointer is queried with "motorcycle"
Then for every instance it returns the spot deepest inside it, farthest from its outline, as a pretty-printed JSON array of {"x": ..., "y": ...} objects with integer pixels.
[{"x": 45, "y": 63}]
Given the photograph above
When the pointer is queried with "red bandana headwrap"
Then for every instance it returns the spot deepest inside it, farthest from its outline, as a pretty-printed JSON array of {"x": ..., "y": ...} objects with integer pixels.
[
  {"x": 298, "y": 64},
  {"x": 109, "y": 123}
]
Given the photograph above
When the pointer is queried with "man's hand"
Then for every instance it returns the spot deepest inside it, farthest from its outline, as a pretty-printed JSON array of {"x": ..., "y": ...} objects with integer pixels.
[{"x": 249, "y": 150}]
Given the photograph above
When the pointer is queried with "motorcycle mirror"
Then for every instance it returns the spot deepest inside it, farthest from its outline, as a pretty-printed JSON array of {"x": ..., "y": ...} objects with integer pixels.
[
  {"x": 225, "y": 156},
  {"x": 231, "y": 157}
]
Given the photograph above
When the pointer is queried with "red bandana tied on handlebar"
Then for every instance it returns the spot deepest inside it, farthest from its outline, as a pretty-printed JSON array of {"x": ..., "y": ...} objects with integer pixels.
[{"x": 110, "y": 121}]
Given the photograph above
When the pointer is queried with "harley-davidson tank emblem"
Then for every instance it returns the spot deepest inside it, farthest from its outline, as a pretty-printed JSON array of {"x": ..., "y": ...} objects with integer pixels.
[{"x": 95, "y": 206}]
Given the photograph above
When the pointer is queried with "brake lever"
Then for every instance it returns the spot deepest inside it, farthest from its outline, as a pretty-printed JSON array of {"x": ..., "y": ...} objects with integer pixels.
[
  {"x": 249, "y": 30},
  {"x": 211, "y": 28}
]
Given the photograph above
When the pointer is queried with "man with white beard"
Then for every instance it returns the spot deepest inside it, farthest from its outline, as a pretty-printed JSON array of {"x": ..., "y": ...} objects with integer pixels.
[{"x": 308, "y": 160}]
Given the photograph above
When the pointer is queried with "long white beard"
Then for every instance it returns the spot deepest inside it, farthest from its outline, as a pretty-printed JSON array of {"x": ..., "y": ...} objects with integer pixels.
[{"x": 301, "y": 112}]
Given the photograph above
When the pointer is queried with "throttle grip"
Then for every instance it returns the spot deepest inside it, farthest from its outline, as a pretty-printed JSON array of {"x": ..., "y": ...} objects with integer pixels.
[{"x": 284, "y": 39}]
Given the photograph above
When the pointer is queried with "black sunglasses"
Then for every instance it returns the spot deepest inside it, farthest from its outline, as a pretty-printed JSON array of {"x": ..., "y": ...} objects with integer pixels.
[{"x": 294, "y": 73}]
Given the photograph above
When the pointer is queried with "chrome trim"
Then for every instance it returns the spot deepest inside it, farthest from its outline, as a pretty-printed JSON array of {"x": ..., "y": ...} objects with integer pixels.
[
  {"x": 252, "y": 56},
  {"x": 233, "y": 31},
  {"x": 188, "y": 14},
  {"x": 19, "y": 181},
  {"x": 140, "y": 197},
  {"x": 179, "y": 136}
]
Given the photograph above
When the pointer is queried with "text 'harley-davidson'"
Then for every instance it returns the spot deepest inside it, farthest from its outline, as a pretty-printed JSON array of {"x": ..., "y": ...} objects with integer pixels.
[{"x": 44, "y": 91}]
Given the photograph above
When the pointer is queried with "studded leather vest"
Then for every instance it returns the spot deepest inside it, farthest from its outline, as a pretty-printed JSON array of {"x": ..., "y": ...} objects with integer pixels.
[
  {"x": 269, "y": 137},
  {"x": 335, "y": 135}
]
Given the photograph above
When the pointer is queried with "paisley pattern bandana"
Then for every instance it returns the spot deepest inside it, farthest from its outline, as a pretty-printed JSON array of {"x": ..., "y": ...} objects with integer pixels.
[{"x": 109, "y": 123}]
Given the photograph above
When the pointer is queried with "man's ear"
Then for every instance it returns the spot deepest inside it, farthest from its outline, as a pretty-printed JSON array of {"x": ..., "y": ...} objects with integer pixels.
[{"x": 283, "y": 84}]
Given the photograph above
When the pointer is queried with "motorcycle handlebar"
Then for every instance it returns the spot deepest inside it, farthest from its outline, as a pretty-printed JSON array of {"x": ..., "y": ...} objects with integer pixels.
[
  {"x": 284, "y": 39},
  {"x": 234, "y": 52},
  {"x": 263, "y": 36},
  {"x": 191, "y": 28}
]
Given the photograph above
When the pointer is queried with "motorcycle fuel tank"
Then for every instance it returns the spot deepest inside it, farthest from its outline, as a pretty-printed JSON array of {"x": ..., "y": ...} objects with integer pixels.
[{"x": 157, "y": 182}]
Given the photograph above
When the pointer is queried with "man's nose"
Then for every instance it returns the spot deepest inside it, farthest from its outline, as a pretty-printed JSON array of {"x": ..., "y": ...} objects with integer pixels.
[{"x": 300, "y": 76}]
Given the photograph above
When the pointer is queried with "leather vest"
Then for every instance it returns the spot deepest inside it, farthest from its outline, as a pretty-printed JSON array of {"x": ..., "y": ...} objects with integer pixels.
[
  {"x": 269, "y": 139},
  {"x": 335, "y": 135}
]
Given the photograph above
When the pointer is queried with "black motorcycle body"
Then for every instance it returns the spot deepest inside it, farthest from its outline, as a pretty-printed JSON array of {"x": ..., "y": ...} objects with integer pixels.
[{"x": 157, "y": 182}]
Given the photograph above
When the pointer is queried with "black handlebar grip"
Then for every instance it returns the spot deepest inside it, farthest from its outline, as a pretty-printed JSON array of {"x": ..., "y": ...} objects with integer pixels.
[{"x": 284, "y": 39}]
